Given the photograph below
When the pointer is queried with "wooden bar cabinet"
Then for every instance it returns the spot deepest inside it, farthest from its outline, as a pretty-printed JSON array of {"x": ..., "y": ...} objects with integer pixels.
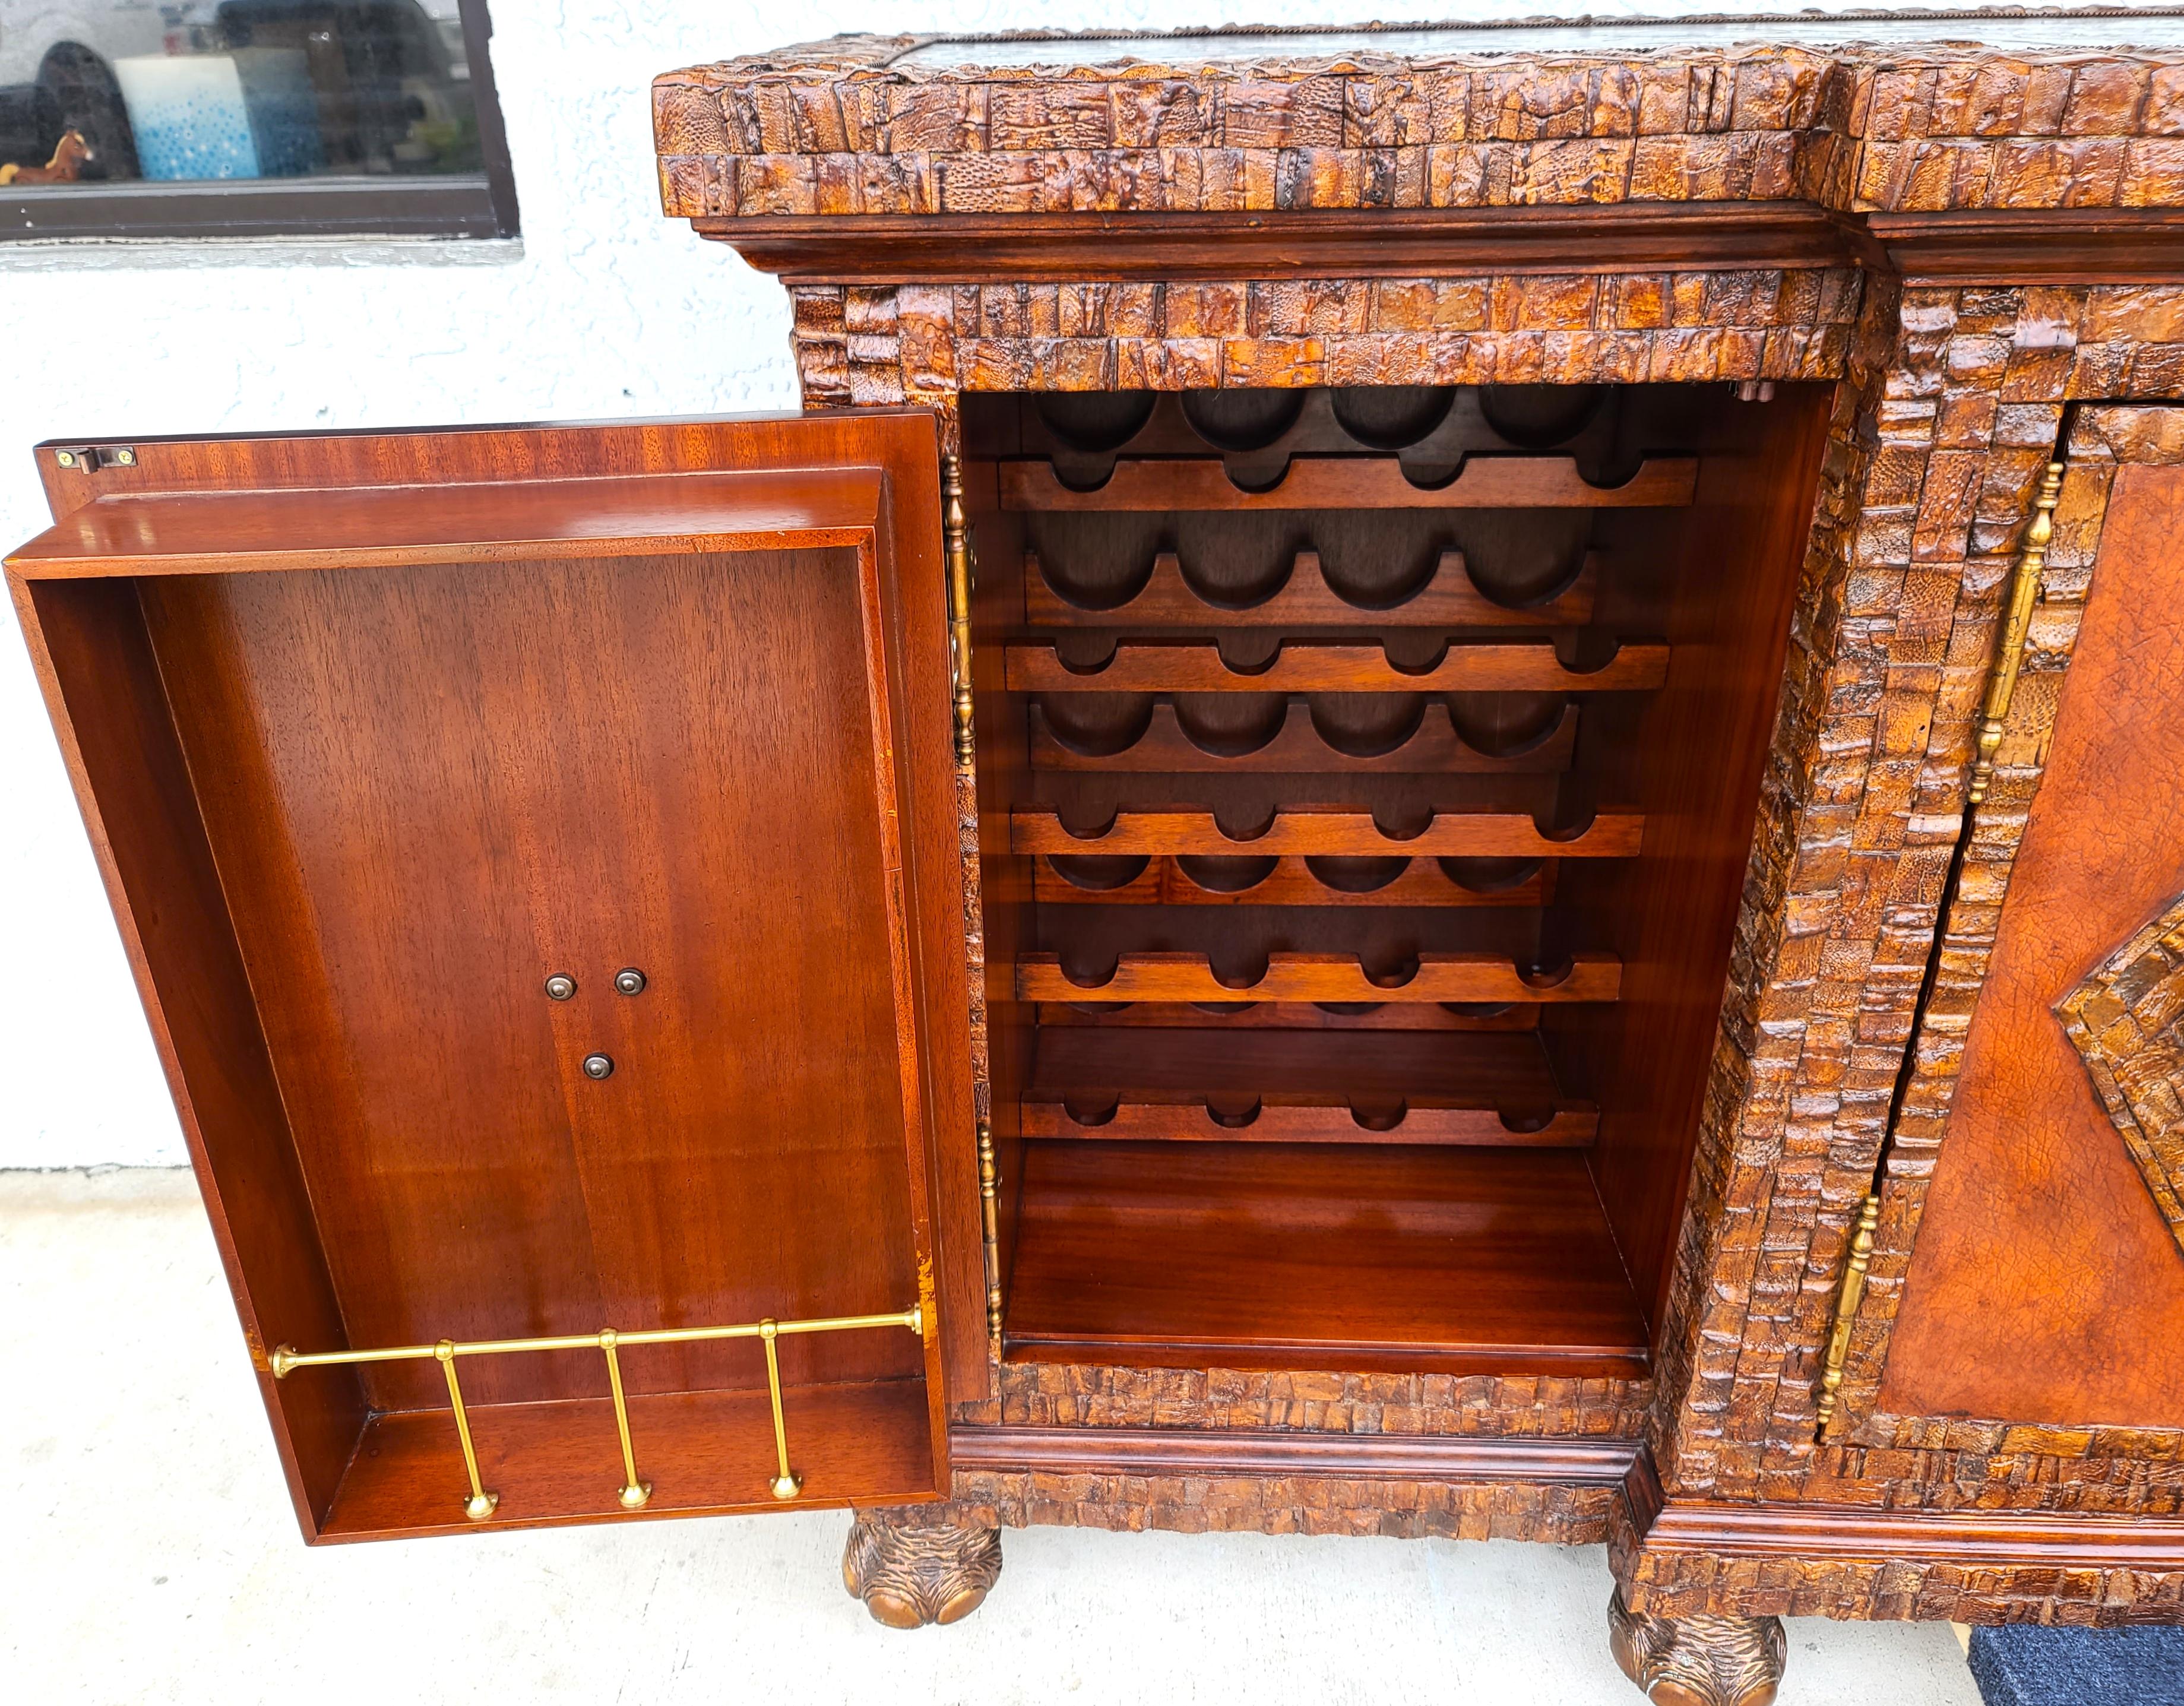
[{"x": 1436, "y": 796}]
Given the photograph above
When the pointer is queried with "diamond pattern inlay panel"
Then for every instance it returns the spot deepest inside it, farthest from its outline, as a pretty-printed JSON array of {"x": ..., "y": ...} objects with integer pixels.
[{"x": 2127, "y": 1020}]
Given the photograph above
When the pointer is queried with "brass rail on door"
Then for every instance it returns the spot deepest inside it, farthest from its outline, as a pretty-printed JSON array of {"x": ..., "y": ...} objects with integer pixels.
[{"x": 786, "y": 1483}]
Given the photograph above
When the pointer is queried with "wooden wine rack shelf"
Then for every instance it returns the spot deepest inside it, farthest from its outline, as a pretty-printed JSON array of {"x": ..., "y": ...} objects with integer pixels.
[
  {"x": 1480, "y": 977},
  {"x": 1346, "y": 1018},
  {"x": 1170, "y": 1123},
  {"x": 1433, "y": 747},
  {"x": 1524, "y": 667},
  {"x": 1215, "y": 1085},
  {"x": 1291, "y": 882},
  {"x": 1447, "y": 599},
  {"x": 1341, "y": 834},
  {"x": 1348, "y": 483}
]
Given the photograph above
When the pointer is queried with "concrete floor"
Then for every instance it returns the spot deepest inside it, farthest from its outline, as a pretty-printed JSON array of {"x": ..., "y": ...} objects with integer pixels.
[{"x": 148, "y": 1554}]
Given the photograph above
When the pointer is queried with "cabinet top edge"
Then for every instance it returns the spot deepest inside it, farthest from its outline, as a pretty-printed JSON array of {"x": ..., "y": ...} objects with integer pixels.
[
  {"x": 2047, "y": 113},
  {"x": 1895, "y": 38}
]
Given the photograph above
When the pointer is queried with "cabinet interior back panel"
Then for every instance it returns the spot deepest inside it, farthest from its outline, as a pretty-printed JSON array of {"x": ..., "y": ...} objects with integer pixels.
[{"x": 429, "y": 789}]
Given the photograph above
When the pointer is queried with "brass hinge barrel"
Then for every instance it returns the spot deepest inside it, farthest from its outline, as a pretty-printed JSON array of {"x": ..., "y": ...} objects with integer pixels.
[
  {"x": 955, "y": 537},
  {"x": 989, "y": 1183},
  {"x": 2022, "y": 594},
  {"x": 1846, "y": 1301}
]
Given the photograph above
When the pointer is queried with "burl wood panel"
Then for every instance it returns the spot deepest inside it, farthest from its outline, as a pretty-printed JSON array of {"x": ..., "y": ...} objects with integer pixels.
[
  {"x": 2045, "y": 1285},
  {"x": 428, "y": 788}
]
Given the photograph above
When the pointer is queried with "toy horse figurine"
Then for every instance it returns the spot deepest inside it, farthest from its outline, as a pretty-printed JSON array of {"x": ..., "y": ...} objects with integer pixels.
[{"x": 69, "y": 155}]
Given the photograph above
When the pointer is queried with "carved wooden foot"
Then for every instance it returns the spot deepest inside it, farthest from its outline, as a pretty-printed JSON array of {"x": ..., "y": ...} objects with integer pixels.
[
  {"x": 1698, "y": 1661},
  {"x": 913, "y": 1564}
]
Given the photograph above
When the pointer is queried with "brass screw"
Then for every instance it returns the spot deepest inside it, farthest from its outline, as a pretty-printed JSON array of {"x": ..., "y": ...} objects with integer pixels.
[
  {"x": 67, "y": 458},
  {"x": 125, "y": 457}
]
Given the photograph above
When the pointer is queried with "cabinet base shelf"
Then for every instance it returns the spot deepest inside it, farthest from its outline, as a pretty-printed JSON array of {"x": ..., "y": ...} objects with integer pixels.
[
  {"x": 705, "y": 1453},
  {"x": 1363, "y": 1258}
]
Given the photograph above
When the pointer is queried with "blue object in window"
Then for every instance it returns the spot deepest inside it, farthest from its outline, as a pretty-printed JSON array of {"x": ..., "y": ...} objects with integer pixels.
[{"x": 249, "y": 114}]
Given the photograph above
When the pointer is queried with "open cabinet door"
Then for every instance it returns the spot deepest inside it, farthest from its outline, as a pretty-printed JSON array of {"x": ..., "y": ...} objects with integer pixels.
[{"x": 535, "y": 847}]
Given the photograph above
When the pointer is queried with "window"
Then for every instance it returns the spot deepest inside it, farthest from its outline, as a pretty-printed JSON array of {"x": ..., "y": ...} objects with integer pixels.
[{"x": 245, "y": 118}]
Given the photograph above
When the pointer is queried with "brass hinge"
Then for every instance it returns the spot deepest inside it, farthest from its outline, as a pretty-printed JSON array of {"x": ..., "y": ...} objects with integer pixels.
[
  {"x": 2016, "y": 623},
  {"x": 955, "y": 536},
  {"x": 989, "y": 1186},
  {"x": 1846, "y": 1303}
]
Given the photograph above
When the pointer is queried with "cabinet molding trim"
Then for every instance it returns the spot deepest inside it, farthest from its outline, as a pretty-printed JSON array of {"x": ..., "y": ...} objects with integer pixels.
[
  {"x": 1217, "y": 1452},
  {"x": 2015, "y": 248}
]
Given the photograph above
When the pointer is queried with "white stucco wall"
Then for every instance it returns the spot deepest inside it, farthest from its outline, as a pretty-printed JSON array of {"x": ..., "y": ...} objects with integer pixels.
[{"x": 604, "y": 308}]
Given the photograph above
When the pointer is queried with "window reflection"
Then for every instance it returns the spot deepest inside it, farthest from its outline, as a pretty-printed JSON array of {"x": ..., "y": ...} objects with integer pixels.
[{"x": 106, "y": 91}]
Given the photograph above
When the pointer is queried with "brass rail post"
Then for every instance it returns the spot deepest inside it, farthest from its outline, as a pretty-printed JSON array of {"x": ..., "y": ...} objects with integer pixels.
[
  {"x": 634, "y": 1492},
  {"x": 788, "y": 1484},
  {"x": 481, "y": 1503}
]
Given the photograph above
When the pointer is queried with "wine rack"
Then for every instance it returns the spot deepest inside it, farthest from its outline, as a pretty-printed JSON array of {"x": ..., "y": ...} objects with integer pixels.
[{"x": 1319, "y": 734}]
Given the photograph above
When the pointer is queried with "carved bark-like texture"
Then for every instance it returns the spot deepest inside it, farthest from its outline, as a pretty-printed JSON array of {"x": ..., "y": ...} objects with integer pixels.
[
  {"x": 1926, "y": 1586},
  {"x": 1974, "y": 1462},
  {"x": 832, "y": 128},
  {"x": 921, "y": 1563},
  {"x": 1882, "y": 1462},
  {"x": 1698, "y": 1661},
  {"x": 1532, "y": 1407},
  {"x": 1948, "y": 403},
  {"x": 1057, "y": 1395},
  {"x": 1287, "y": 1504},
  {"x": 2127, "y": 1022},
  {"x": 1844, "y": 904},
  {"x": 859, "y": 345},
  {"x": 1964, "y": 388}
]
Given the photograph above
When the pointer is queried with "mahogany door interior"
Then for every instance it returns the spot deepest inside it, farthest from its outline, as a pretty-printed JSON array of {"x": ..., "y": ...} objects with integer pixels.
[
  {"x": 1368, "y": 780},
  {"x": 377, "y": 734}
]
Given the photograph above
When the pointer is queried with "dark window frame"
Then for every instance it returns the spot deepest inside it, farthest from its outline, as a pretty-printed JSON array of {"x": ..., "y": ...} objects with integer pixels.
[{"x": 455, "y": 206}]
